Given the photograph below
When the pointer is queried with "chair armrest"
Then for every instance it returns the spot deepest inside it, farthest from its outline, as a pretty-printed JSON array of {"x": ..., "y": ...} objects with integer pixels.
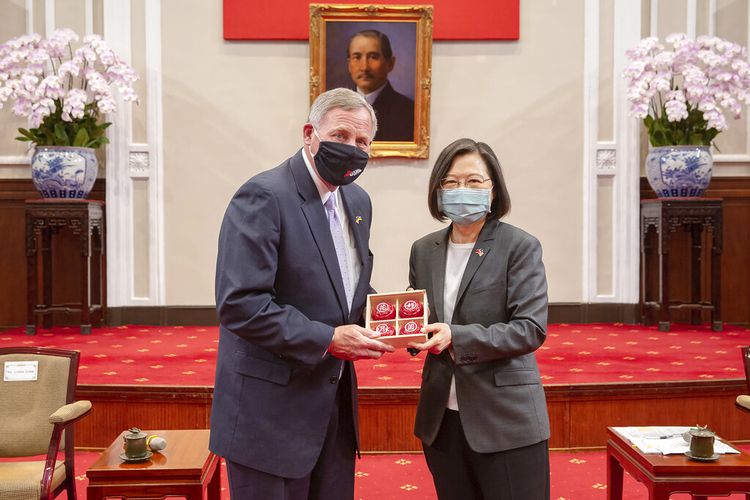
[
  {"x": 70, "y": 412},
  {"x": 744, "y": 402}
]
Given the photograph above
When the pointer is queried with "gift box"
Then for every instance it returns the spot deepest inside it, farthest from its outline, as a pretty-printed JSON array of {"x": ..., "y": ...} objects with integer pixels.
[{"x": 408, "y": 316}]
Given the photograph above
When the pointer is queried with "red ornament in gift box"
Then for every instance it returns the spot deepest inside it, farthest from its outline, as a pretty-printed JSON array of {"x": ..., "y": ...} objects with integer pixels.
[
  {"x": 411, "y": 309},
  {"x": 410, "y": 328},
  {"x": 383, "y": 311},
  {"x": 385, "y": 329}
]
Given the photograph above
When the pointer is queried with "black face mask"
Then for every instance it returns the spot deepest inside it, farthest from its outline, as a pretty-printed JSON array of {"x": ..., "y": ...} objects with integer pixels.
[{"x": 339, "y": 164}]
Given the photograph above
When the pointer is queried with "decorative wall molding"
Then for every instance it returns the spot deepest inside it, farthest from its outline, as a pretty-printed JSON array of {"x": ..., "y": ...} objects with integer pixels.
[
  {"x": 16, "y": 160},
  {"x": 155, "y": 132},
  {"x": 129, "y": 162},
  {"x": 29, "y": 17},
  {"x": 49, "y": 17},
  {"x": 617, "y": 160},
  {"x": 117, "y": 33},
  {"x": 138, "y": 163},
  {"x": 729, "y": 158},
  {"x": 692, "y": 18},
  {"x": 88, "y": 17},
  {"x": 711, "y": 17},
  {"x": 590, "y": 123},
  {"x": 626, "y": 204},
  {"x": 22, "y": 161},
  {"x": 606, "y": 161}
]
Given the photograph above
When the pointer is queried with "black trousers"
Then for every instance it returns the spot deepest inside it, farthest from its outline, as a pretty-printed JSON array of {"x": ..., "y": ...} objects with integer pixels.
[
  {"x": 460, "y": 473},
  {"x": 332, "y": 478}
]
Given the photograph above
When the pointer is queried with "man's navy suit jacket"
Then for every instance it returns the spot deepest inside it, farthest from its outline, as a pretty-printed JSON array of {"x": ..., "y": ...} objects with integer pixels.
[{"x": 279, "y": 295}]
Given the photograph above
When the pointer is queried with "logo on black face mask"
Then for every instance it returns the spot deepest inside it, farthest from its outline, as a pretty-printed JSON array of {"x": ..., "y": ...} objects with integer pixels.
[{"x": 353, "y": 173}]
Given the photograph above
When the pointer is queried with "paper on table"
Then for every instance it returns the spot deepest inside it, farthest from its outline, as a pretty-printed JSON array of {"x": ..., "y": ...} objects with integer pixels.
[
  {"x": 651, "y": 432},
  {"x": 665, "y": 440}
]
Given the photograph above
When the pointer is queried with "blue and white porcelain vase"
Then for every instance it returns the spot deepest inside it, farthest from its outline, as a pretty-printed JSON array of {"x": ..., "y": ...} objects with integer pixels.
[
  {"x": 679, "y": 171},
  {"x": 64, "y": 171}
]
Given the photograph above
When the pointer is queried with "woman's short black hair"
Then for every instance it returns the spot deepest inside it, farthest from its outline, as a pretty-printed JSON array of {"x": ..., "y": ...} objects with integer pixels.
[{"x": 501, "y": 203}]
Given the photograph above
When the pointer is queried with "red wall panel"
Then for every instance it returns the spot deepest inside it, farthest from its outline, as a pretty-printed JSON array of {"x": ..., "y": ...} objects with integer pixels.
[{"x": 290, "y": 19}]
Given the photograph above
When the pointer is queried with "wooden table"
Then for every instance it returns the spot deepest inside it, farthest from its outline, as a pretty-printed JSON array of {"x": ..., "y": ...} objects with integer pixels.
[
  {"x": 185, "y": 468},
  {"x": 664, "y": 475},
  {"x": 44, "y": 219},
  {"x": 694, "y": 215}
]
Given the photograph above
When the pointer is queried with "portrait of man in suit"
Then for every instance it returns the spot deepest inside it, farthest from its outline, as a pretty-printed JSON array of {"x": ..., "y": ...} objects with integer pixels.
[
  {"x": 385, "y": 55},
  {"x": 370, "y": 60},
  {"x": 378, "y": 60}
]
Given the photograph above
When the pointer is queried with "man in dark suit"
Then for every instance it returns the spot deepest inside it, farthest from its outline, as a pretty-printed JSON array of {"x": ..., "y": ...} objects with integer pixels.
[
  {"x": 292, "y": 278},
  {"x": 370, "y": 59}
]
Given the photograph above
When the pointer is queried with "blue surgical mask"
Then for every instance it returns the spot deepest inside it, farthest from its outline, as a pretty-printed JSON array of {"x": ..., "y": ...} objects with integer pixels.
[{"x": 464, "y": 205}]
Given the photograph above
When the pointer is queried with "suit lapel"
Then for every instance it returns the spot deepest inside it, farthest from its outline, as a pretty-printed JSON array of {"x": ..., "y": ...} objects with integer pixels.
[
  {"x": 437, "y": 263},
  {"x": 359, "y": 228},
  {"x": 357, "y": 225},
  {"x": 478, "y": 255},
  {"x": 312, "y": 208}
]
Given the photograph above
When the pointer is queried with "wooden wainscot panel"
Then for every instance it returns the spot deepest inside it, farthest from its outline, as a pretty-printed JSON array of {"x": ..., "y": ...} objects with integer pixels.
[
  {"x": 116, "y": 408},
  {"x": 386, "y": 419},
  {"x": 559, "y": 422},
  {"x": 579, "y": 414},
  {"x": 593, "y": 408}
]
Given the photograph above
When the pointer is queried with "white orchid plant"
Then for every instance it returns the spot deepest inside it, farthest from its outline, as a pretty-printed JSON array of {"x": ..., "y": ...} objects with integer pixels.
[
  {"x": 682, "y": 92},
  {"x": 61, "y": 90}
]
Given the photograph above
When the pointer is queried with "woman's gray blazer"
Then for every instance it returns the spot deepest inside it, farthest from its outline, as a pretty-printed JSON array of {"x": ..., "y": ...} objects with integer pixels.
[{"x": 499, "y": 320}]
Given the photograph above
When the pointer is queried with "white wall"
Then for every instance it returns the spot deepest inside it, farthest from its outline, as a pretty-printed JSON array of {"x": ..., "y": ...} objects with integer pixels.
[{"x": 232, "y": 110}]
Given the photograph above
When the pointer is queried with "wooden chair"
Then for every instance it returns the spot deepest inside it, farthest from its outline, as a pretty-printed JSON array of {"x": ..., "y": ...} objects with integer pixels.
[
  {"x": 37, "y": 400},
  {"x": 743, "y": 401}
]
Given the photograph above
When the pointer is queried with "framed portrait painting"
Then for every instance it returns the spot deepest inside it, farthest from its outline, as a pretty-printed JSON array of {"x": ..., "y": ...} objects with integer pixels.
[{"x": 384, "y": 52}]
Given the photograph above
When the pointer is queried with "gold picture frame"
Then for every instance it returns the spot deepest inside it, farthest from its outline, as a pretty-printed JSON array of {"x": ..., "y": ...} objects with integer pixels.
[{"x": 337, "y": 61}]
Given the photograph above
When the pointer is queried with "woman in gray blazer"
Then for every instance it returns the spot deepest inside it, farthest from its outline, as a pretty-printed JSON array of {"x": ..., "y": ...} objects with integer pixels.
[{"x": 482, "y": 415}]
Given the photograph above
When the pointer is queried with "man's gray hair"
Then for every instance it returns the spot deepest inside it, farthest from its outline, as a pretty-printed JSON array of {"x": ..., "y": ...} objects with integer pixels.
[{"x": 340, "y": 98}]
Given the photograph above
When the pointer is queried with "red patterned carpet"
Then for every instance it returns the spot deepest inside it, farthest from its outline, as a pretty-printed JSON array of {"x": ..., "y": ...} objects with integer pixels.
[
  {"x": 574, "y": 476},
  {"x": 595, "y": 353}
]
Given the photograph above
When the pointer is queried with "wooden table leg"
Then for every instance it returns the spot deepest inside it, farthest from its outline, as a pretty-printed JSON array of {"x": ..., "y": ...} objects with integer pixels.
[
  {"x": 658, "y": 491},
  {"x": 194, "y": 492},
  {"x": 94, "y": 493},
  {"x": 614, "y": 477},
  {"x": 46, "y": 277},
  {"x": 85, "y": 277},
  {"x": 650, "y": 256},
  {"x": 716, "y": 322},
  {"x": 663, "y": 279},
  {"x": 96, "y": 277},
  {"x": 213, "y": 489},
  {"x": 695, "y": 272},
  {"x": 645, "y": 250},
  {"x": 70, "y": 489},
  {"x": 31, "y": 276}
]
